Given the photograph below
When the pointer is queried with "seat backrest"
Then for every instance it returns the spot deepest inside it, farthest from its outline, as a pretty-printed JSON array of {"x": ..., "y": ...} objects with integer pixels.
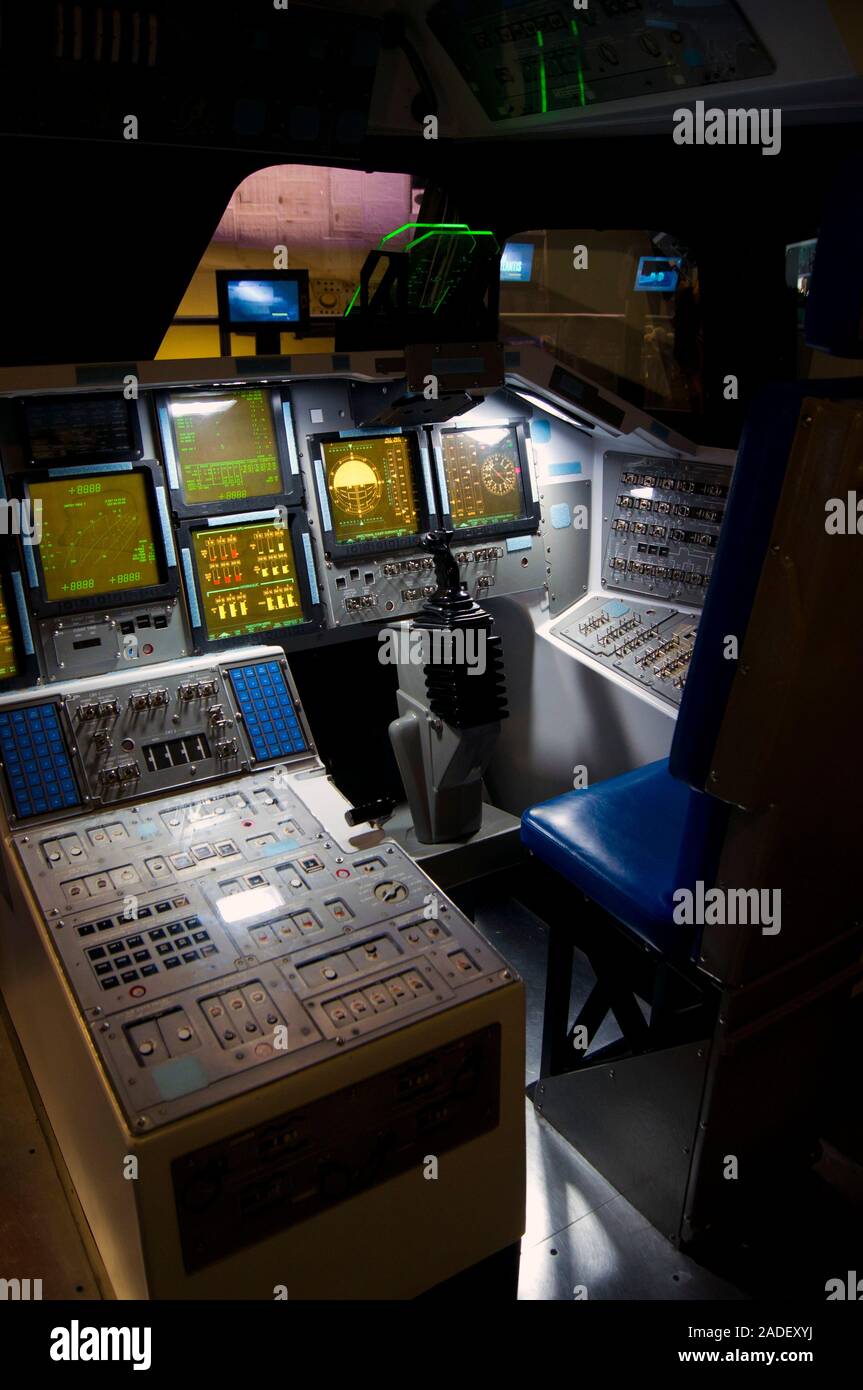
[
  {"x": 834, "y": 323},
  {"x": 756, "y": 487},
  {"x": 834, "y": 309}
]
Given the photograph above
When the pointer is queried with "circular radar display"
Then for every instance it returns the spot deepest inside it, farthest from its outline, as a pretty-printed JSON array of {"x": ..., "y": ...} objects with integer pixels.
[
  {"x": 356, "y": 486},
  {"x": 498, "y": 474}
]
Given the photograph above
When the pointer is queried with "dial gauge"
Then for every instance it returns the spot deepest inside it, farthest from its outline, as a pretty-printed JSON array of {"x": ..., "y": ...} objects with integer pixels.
[{"x": 498, "y": 474}]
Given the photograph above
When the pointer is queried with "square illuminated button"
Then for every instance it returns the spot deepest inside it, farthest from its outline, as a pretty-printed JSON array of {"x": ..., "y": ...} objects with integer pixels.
[{"x": 240, "y": 907}]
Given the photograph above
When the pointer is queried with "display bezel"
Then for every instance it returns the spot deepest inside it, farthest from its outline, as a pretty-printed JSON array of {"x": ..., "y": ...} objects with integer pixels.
[
  {"x": 28, "y": 665},
  {"x": 421, "y": 463},
  {"x": 303, "y": 560},
  {"x": 133, "y": 454},
  {"x": 291, "y": 486},
  {"x": 169, "y": 584},
  {"x": 528, "y": 522},
  {"x": 299, "y": 277}
]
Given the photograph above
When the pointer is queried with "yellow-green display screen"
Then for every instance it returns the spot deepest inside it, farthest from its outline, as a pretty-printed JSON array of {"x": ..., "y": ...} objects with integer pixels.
[
  {"x": 247, "y": 576},
  {"x": 97, "y": 535},
  {"x": 8, "y": 661},
  {"x": 372, "y": 488},
  {"x": 226, "y": 446},
  {"x": 483, "y": 476}
]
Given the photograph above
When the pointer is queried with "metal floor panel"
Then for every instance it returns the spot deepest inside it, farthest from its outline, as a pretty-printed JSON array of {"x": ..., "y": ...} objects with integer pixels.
[
  {"x": 562, "y": 1187},
  {"x": 38, "y": 1235},
  {"x": 613, "y": 1254}
]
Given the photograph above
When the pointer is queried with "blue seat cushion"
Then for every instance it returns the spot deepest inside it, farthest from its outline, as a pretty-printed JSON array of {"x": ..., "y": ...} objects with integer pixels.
[{"x": 628, "y": 844}]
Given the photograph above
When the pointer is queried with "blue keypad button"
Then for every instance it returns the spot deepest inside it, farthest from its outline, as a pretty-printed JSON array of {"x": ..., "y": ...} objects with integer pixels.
[
  {"x": 268, "y": 712},
  {"x": 37, "y": 765}
]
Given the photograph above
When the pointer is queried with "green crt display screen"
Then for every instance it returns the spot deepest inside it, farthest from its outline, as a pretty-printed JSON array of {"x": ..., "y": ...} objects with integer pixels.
[
  {"x": 97, "y": 535},
  {"x": 225, "y": 446}
]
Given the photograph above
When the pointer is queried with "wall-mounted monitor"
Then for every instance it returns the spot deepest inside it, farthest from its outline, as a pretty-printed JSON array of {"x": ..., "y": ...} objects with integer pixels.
[
  {"x": 105, "y": 538},
  {"x": 485, "y": 481},
  {"x": 249, "y": 575},
  {"x": 374, "y": 492},
  {"x": 799, "y": 265},
  {"x": 228, "y": 446},
  {"x": 72, "y": 430},
  {"x": 251, "y": 300},
  {"x": 657, "y": 273},
  {"x": 516, "y": 262}
]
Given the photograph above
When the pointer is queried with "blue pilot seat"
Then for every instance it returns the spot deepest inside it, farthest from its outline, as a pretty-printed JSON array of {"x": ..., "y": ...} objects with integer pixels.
[{"x": 628, "y": 844}]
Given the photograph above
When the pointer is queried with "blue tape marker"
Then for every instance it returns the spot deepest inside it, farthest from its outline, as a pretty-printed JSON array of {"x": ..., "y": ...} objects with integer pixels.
[
  {"x": 326, "y": 519},
  {"x": 563, "y": 470},
  {"x": 289, "y": 431},
  {"x": 191, "y": 592},
  {"x": 167, "y": 533},
  {"x": 310, "y": 567},
  {"x": 23, "y": 615},
  {"x": 518, "y": 543},
  {"x": 237, "y": 518},
  {"x": 540, "y": 431},
  {"x": 560, "y": 516},
  {"x": 91, "y": 468},
  {"x": 361, "y": 434},
  {"x": 30, "y": 566},
  {"x": 167, "y": 432}
]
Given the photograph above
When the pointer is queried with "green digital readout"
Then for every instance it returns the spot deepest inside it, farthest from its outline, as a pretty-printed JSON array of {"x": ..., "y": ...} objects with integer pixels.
[
  {"x": 97, "y": 535},
  {"x": 226, "y": 446},
  {"x": 8, "y": 660},
  {"x": 372, "y": 488}
]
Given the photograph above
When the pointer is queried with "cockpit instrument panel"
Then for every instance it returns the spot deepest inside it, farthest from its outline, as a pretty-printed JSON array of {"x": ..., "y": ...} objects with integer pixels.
[
  {"x": 224, "y": 448},
  {"x": 372, "y": 492},
  {"x": 104, "y": 538},
  {"x": 77, "y": 429},
  {"x": 248, "y": 575},
  {"x": 485, "y": 481},
  {"x": 665, "y": 516},
  {"x": 538, "y": 57}
]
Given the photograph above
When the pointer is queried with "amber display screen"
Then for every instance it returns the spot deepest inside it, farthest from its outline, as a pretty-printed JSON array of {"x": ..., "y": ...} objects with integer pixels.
[
  {"x": 247, "y": 579},
  {"x": 97, "y": 535},
  {"x": 483, "y": 475},
  {"x": 8, "y": 660},
  {"x": 225, "y": 446},
  {"x": 372, "y": 487}
]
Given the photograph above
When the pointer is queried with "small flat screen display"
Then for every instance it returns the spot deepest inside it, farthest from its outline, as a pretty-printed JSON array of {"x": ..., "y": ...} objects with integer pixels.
[
  {"x": 263, "y": 301},
  {"x": 516, "y": 263},
  {"x": 97, "y": 535},
  {"x": 657, "y": 273}
]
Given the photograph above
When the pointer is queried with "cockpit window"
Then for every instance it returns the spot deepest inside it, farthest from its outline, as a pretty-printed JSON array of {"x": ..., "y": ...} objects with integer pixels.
[
  {"x": 323, "y": 220},
  {"x": 622, "y": 307}
]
